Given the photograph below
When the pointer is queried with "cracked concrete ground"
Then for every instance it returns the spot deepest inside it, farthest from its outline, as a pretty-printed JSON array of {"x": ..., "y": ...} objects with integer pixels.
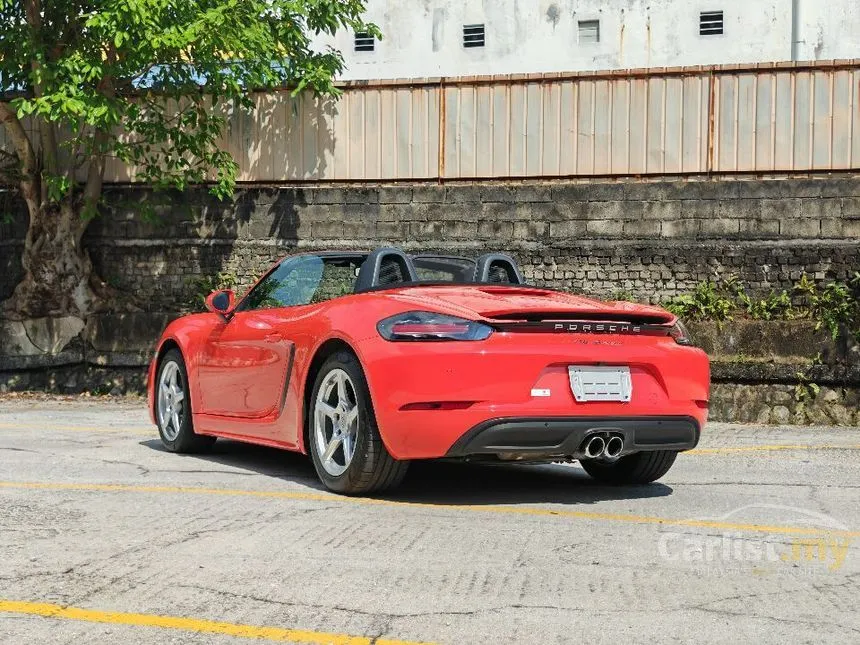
[{"x": 753, "y": 538}]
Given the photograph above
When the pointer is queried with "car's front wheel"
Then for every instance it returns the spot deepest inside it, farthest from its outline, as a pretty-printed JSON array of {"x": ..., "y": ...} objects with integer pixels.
[
  {"x": 173, "y": 407},
  {"x": 345, "y": 445},
  {"x": 638, "y": 468}
]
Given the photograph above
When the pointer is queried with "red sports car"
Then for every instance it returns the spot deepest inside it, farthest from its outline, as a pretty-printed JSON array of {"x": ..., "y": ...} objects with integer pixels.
[{"x": 369, "y": 360}]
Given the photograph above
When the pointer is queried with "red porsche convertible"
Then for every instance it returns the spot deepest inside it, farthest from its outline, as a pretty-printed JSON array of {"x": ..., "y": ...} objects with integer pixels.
[{"x": 369, "y": 360}]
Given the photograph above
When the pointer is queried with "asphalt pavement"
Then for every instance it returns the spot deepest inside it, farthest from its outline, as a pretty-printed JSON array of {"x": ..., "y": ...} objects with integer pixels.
[{"x": 106, "y": 538}]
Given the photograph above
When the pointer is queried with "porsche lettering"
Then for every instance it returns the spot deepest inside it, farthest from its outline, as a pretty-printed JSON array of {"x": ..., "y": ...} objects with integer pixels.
[{"x": 598, "y": 328}]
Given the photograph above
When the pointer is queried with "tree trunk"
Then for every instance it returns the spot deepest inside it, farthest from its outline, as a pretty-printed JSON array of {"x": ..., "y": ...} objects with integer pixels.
[{"x": 58, "y": 275}]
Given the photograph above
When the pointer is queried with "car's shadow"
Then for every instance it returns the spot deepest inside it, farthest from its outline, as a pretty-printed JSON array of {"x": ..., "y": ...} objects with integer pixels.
[{"x": 439, "y": 482}]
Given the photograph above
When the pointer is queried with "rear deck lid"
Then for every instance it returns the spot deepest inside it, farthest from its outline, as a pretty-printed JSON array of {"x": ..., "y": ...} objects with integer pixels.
[{"x": 518, "y": 305}]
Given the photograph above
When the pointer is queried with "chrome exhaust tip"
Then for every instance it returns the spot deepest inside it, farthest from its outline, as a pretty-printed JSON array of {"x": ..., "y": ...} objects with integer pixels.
[
  {"x": 613, "y": 447},
  {"x": 595, "y": 447}
]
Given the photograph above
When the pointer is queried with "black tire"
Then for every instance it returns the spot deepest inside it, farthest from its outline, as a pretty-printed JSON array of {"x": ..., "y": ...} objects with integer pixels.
[
  {"x": 371, "y": 468},
  {"x": 185, "y": 440},
  {"x": 638, "y": 468}
]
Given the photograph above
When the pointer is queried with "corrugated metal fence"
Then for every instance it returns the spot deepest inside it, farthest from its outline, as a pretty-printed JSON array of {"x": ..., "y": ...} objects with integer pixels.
[{"x": 728, "y": 119}]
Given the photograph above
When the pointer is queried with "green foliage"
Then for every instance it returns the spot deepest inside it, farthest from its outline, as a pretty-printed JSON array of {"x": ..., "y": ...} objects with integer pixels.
[
  {"x": 831, "y": 307},
  {"x": 200, "y": 287},
  {"x": 774, "y": 306},
  {"x": 153, "y": 82},
  {"x": 709, "y": 301},
  {"x": 805, "y": 391},
  {"x": 622, "y": 295}
]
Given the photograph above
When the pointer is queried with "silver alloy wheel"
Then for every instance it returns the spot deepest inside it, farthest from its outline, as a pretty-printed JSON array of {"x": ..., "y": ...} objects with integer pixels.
[
  {"x": 171, "y": 401},
  {"x": 336, "y": 422}
]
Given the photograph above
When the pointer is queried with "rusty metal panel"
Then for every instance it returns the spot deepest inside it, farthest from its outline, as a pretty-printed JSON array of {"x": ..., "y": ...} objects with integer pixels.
[
  {"x": 770, "y": 119},
  {"x": 466, "y": 133},
  {"x": 655, "y": 110},
  {"x": 724, "y": 123},
  {"x": 841, "y": 124},
  {"x": 372, "y": 133},
  {"x": 638, "y": 144},
  {"x": 619, "y": 132},
  {"x": 567, "y": 129},
  {"x": 534, "y": 133},
  {"x": 747, "y": 106},
  {"x": 822, "y": 121},
  {"x": 855, "y": 119},
  {"x": 501, "y": 130},
  {"x": 765, "y": 122},
  {"x": 388, "y": 133},
  {"x": 585, "y": 128},
  {"x": 291, "y": 107},
  {"x": 694, "y": 125},
  {"x": 673, "y": 117},
  {"x": 484, "y": 131},
  {"x": 783, "y": 156},
  {"x": 802, "y": 133},
  {"x": 551, "y": 130},
  {"x": 451, "y": 132},
  {"x": 602, "y": 120},
  {"x": 518, "y": 130}
]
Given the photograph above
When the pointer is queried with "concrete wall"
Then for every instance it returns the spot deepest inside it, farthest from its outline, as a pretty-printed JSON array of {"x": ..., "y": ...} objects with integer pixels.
[
  {"x": 754, "y": 364},
  {"x": 652, "y": 239},
  {"x": 424, "y": 38}
]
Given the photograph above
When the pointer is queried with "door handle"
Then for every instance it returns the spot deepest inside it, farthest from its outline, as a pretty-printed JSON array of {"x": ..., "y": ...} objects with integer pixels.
[{"x": 274, "y": 338}]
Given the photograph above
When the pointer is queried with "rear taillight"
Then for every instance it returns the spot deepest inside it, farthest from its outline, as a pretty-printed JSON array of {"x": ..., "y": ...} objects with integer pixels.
[
  {"x": 680, "y": 334},
  {"x": 425, "y": 325}
]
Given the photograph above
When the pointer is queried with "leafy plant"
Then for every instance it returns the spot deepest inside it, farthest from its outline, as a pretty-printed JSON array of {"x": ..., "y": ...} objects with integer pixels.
[
  {"x": 805, "y": 391},
  {"x": 834, "y": 305},
  {"x": 774, "y": 306},
  {"x": 622, "y": 294},
  {"x": 202, "y": 286},
  {"x": 707, "y": 302}
]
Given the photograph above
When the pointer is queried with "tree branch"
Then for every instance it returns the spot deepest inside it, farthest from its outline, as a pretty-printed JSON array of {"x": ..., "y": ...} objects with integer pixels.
[
  {"x": 96, "y": 170},
  {"x": 26, "y": 157},
  {"x": 47, "y": 130}
]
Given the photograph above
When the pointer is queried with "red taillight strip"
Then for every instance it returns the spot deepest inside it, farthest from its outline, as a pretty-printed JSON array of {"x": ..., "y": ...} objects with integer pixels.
[{"x": 408, "y": 328}]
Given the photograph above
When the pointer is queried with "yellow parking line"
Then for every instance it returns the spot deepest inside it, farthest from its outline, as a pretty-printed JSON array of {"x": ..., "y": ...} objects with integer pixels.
[
  {"x": 474, "y": 508},
  {"x": 770, "y": 448},
  {"x": 70, "y": 428},
  {"x": 200, "y": 626}
]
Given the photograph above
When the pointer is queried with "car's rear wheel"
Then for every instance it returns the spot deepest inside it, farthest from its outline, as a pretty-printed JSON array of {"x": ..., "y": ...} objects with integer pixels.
[
  {"x": 638, "y": 468},
  {"x": 173, "y": 407},
  {"x": 345, "y": 445}
]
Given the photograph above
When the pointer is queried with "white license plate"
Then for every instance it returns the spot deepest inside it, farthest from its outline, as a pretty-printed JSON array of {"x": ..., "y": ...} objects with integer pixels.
[{"x": 600, "y": 383}]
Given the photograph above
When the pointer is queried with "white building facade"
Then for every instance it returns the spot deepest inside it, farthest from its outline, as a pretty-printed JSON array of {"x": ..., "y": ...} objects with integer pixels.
[{"x": 429, "y": 38}]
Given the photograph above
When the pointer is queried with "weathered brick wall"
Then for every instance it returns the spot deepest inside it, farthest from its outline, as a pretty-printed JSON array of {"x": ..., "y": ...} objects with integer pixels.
[{"x": 651, "y": 239}]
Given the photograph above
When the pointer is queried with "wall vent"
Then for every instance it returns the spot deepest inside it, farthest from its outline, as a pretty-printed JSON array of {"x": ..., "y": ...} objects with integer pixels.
[
  {"x": 711, "y": 23},
  {"x": 364, "y": 42},
  {"x": 473, "y": 35},
  {"x": 589, "y": 31}
]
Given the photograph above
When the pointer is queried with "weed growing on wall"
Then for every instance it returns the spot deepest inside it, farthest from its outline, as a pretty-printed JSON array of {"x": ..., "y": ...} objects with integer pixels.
[{"x": 834, "y": 306}]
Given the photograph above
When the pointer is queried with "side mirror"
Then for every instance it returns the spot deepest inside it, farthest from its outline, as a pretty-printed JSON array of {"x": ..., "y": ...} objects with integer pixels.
[{"x": 221, "y": 302}]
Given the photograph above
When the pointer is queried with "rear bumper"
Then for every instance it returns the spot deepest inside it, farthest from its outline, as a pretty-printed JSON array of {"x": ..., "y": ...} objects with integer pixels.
[
  {"x": 428, "y": 396},
  {"x": 566, "y": 436}
]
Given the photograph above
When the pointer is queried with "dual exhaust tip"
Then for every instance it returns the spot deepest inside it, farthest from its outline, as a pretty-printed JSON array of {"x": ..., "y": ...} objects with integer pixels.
[{"x": 597, "y": 447}]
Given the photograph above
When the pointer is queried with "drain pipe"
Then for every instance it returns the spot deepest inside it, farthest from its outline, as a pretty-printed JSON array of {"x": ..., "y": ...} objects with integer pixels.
[{"x": 795, "y": 29}]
